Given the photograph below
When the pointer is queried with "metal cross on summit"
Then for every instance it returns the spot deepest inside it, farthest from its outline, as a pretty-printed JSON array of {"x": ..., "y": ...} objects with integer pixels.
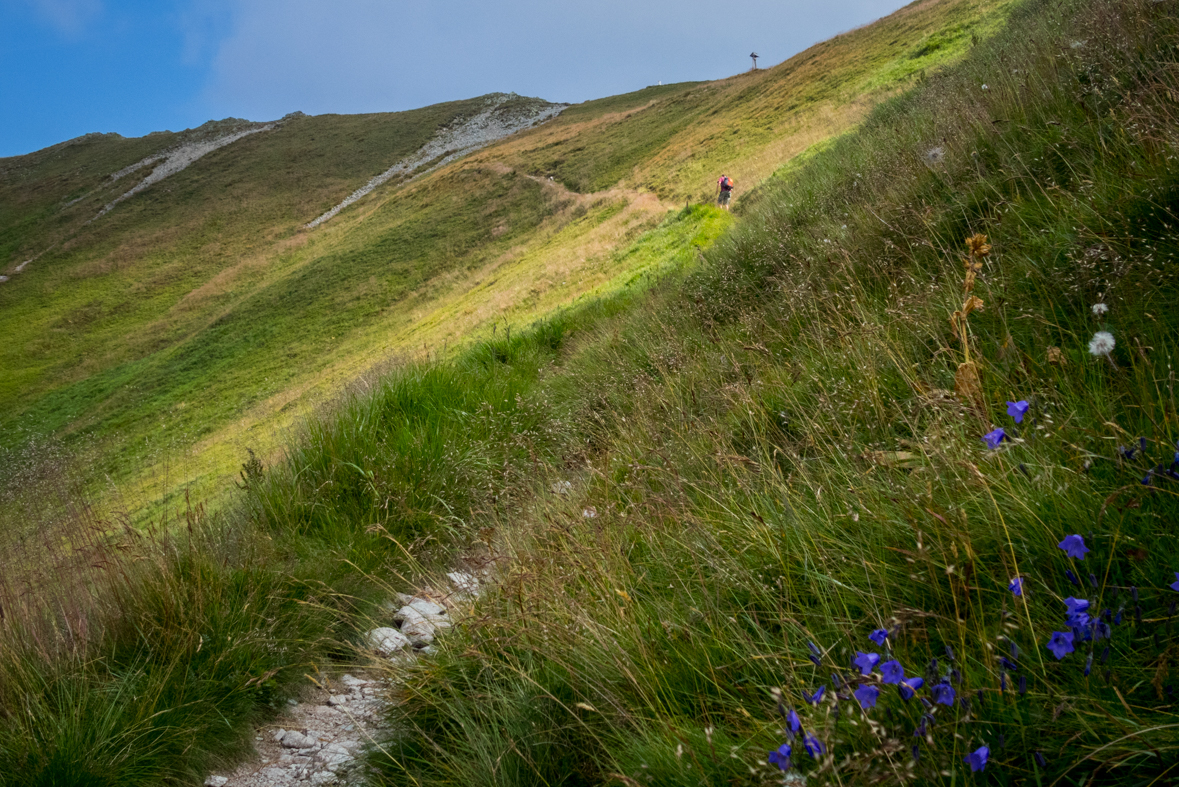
[{"x": 754, "y": 56}]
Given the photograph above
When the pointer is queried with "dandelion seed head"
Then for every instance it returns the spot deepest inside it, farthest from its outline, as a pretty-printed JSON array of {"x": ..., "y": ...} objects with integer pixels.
[{"x": 1101, "y": 344}]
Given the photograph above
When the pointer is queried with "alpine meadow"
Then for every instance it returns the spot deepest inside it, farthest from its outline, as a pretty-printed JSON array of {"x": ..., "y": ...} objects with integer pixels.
[{"x": 872, "y": 480}]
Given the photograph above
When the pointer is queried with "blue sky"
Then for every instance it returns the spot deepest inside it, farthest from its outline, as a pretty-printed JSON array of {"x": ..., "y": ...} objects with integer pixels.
[{"x": 68, "y": 67}]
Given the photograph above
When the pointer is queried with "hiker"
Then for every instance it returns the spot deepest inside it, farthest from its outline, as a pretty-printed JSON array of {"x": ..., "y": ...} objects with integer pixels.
[{"x": 724, "y": 187}]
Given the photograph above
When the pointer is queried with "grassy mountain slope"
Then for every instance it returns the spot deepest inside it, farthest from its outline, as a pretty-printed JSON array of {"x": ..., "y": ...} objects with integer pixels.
[
  {"x": 783, "y": 456},
  {"x": 201, "y": 312},
  {"x": 790, "y": 446}
]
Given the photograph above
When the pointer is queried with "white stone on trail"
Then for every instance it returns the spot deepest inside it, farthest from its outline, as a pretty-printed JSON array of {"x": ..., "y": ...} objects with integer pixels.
[
  {"x": 428, "y": 608},
  {"x": 216, "y": 781},
  {"x": 386, "y": 641},
  {"x": 464, "y": 582},
  {"x": 334, "y": 757},
  {"x": 415, "y": 626},
  {"x": 421, "y": 620},
  {"x": 451, "y": 143},
  {"x": 297, "y": 740}
]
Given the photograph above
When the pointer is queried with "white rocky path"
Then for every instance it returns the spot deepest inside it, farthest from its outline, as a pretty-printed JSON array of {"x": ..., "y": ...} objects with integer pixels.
[
  {"x": 323, "y": 740},
  {"x": 490, "y": 125}
]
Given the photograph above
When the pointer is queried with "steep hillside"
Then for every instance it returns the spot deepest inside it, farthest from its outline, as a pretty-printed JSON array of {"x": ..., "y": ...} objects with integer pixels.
[
  {"x": 880, "y": 488},
  {"x": 203, "y": 311}
]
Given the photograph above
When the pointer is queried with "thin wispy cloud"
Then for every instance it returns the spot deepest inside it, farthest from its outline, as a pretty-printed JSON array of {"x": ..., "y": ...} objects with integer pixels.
[
  {"x": 69, "y": 18},
  {"x": 379, "y": 55},
  {"x": 203, "y": 25}
]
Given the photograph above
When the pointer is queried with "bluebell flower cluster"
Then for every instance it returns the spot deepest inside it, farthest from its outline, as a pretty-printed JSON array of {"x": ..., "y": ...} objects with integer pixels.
[
  {"x": 871, "y": 672},
  {"x": 1085, "y": 626}
]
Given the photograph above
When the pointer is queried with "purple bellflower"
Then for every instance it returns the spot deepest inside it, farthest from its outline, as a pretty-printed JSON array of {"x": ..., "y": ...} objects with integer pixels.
[
  {"x": 1061, "y": 644},
  {"x": 1017, "y": 410},
  {"x": 793, "y": 720},
  {"x": 994, "y": 438},
  {"x": 867, "y": 695},
  {"x": 892, "y": 672},
  {"x": 866, "y": 661},
  {"x": 977, "y": 759},
  {"x": 1016, "y": 586},
  {"x": 781, "y": 757},
  {"x": 814, "y": 746},
  {"x": 908, "y": 687},
  {"x": 1175, "y": 584},
  {"x": 1076, "y": 604},
  {"x": 817, "y": 697},
  {"x": 879, "y": 636},
  {"x": 1074, "y": 546},
  {"x": 943, "y": 693}
]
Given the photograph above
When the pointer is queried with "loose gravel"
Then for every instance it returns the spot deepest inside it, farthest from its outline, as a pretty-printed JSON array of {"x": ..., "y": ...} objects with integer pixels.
[
  {"x": 323, "y": 740},
  {"x": 491, "y": 125},
  {"x": 176, "y": 160}
]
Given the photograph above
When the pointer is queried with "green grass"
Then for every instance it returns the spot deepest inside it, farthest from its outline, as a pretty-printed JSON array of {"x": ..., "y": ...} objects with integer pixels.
[
  {"x": 199, "y": 317},
  {"x": 776, "y": 454},
  {"x": 767, "y": 449}
]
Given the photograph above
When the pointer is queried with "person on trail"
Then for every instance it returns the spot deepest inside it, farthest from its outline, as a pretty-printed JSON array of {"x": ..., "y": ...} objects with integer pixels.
[{"x": 724, "y": 191}]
